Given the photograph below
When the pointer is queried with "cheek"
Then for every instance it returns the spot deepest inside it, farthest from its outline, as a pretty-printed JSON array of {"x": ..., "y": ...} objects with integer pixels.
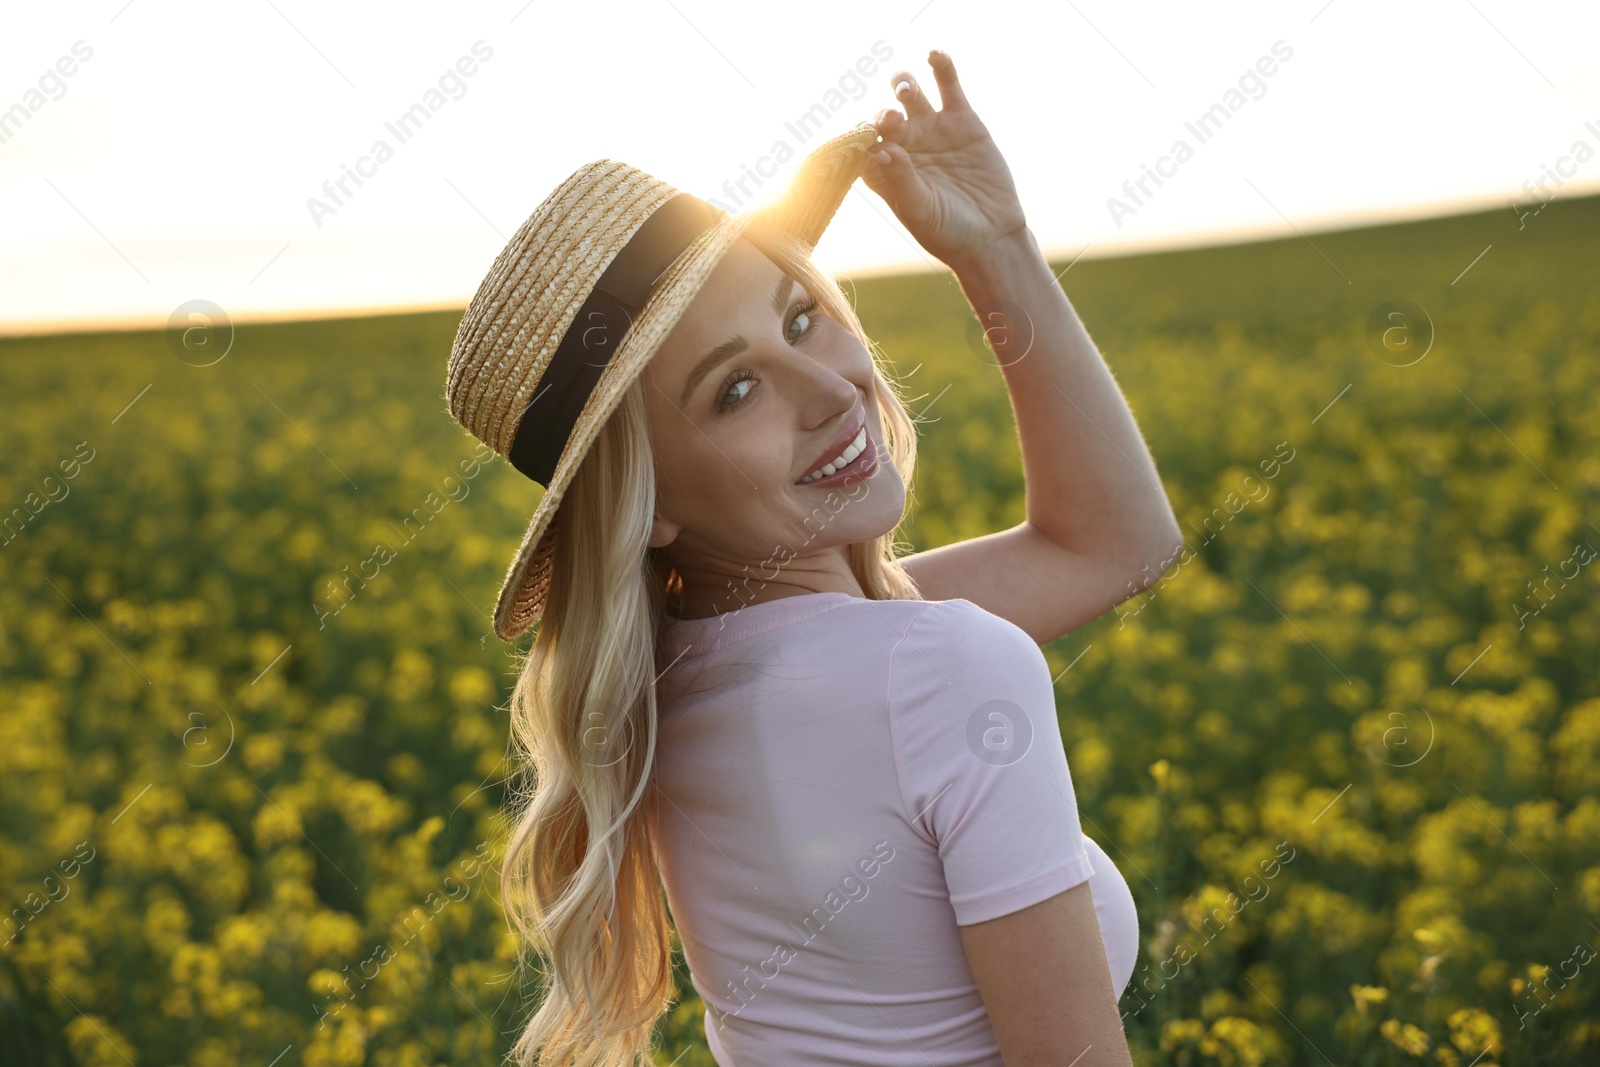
[
  {"x": 736, "y": 477},
  {"x": 710, "y": 475}
]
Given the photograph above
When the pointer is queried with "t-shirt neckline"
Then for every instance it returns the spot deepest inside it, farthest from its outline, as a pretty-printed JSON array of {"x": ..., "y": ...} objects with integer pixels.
[{"x": 715, "y": 631}]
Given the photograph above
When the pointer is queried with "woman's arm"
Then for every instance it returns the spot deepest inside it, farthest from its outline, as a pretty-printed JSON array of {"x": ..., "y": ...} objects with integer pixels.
[
  {"x": 1099, "y": 527},
  {"x": 1045, "y": 982}
]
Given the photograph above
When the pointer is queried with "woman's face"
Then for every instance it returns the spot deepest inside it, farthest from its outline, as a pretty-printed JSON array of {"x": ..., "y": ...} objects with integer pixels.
[{"x": 751, "y": 390}]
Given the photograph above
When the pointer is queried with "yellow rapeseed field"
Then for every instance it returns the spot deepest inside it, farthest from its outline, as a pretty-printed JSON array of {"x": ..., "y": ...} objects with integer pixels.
[{"x": 1346, "y": 752}]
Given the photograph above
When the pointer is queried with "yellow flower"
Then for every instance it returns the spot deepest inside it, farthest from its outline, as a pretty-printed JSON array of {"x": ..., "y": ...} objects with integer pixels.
[
  {"x": 1179, "y": 1033},
  {"x": 1158, "y": 771},
  {"x": 263, "y": 752},
  {"x": 1365, "y": 995},
  {"x": 1473, "y": 1031},
  {"x": 96, "y": 1043},
  {"x": 178, "y": 1003},
  {"x": 472, "y": 687},
  {"x": 331, "y": 935},
  {"x": 242, "y": 939},
  {"x": 166, "y": 924},
  {"x": 1404, "y": 1036},
  {"x": 1236, "y": 1041},
  {"x": 367, "y": 807}
]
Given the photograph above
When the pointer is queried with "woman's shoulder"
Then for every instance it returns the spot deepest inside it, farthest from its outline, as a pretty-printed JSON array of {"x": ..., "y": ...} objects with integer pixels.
[
  {"x": 961, "y": 618},
  {"x": 962, "y": 680},
  {"x": 960, "y": 632}
]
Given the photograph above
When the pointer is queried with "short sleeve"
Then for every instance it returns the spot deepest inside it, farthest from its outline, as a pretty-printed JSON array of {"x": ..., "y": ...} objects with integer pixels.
[{"x": 983, "y": 771}]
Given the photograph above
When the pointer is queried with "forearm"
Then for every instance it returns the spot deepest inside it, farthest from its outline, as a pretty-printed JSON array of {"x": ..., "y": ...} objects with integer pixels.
[{"x": 1092, "y": 486}]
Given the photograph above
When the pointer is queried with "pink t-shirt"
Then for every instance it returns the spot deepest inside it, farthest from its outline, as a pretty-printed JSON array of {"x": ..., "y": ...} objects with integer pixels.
[{"x": 843, "y": 782}]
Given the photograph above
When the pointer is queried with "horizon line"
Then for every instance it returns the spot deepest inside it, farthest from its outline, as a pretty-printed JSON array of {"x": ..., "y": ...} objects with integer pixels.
[{"x": 1264, "y": 233}]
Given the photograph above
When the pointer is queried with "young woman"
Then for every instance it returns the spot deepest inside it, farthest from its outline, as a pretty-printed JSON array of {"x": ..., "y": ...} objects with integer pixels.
[{"x": 844, "y": 769}]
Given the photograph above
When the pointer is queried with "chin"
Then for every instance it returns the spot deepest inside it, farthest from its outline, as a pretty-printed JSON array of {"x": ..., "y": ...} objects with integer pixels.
[{"x": 846, "y": 513}]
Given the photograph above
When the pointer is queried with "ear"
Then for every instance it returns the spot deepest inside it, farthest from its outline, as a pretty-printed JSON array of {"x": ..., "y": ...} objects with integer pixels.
[{"x": 663, "y": 532}]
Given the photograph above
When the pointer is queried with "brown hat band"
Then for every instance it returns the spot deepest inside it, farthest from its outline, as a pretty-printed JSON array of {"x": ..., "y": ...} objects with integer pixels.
[{"x": 598, "y": 328}]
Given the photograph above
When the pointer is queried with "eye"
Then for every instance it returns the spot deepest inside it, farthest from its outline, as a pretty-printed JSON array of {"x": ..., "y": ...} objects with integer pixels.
[
  {"x": 805, "y": 313},
  {"x": 805, "y": 317},
  {"x": 736, "y": 379}
]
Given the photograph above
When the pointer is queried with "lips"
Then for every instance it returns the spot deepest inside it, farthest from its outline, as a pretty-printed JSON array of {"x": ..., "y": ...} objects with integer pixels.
[
  {"x": 864, "y": 466},
  {"x": 847, "y": 434}
]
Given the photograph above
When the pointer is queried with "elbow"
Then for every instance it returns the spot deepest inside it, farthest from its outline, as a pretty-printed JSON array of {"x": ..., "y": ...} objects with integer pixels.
[
  {"x": 1137, "y": 570},
  {"x": 1153, "y": 543},
  {"x": 1171, "y": 548},
  {"x": 1161, "y": 555}
]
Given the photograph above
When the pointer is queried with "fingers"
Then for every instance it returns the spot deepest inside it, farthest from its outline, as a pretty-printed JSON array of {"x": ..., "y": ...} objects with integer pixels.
[
  {"x": 951, "y": 97},
  {"x": 890, "y": 124},
  {"x": 892, "y": 178},
  {"x": 897, "y": 156},
  {"x": 910, "y": 95},
  {"x": 916, "y": 102}
]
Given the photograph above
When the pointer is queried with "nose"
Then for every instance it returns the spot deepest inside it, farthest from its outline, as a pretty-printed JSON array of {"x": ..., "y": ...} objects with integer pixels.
[{"x": 829, "y": 389}]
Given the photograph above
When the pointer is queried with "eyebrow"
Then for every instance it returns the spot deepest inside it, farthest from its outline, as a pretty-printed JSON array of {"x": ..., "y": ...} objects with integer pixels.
[{"x": 733, "y": 345}]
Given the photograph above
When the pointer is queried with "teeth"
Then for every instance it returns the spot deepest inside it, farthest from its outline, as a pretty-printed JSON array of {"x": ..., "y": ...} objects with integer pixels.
[{"x": 844, "y": 459}]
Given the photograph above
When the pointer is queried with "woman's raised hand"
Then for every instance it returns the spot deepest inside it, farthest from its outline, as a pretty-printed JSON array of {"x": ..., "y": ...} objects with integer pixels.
[{"x": 941, "y": 172}]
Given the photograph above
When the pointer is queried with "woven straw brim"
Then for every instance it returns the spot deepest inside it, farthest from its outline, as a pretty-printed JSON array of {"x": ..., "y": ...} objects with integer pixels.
[
  {"x": 804, "y": 212},
  {"x": 535, "y": 289},
  {"x": 527, "y": 582}
]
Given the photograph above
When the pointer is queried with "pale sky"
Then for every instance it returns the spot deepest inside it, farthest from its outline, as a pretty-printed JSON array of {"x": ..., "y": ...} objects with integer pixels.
[{"x": 175, "y": 162}]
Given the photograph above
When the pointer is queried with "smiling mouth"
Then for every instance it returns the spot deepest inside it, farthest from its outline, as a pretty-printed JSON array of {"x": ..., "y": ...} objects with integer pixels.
[{"x": 860, "y": 465}]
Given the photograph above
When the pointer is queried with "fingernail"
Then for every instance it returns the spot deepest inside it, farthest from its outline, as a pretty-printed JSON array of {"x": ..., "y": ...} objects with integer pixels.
[{"x": 903, "y": 87}]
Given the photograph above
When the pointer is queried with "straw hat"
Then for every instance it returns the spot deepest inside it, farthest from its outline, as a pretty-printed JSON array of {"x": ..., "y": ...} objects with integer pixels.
[{"x": 577, "y": 303}]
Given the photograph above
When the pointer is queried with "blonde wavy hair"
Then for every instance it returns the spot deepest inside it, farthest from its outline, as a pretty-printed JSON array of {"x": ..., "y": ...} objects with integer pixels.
[{"x": 581, "y": 881}]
